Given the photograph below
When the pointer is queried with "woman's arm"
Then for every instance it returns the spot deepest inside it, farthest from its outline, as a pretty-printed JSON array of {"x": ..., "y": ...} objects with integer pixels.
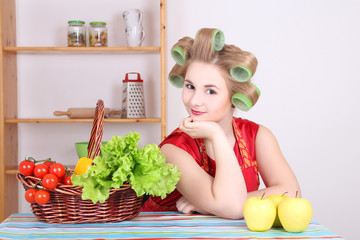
[
  {"x": 273, "y": 167},
  {"x": 225, "y": 194}
]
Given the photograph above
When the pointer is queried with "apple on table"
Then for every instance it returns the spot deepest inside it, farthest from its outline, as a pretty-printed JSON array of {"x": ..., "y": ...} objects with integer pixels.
[
  {"x": 259, "y": 213},
  {"x": 277, "y": 198},
  {"x": 295, "y": 213}
]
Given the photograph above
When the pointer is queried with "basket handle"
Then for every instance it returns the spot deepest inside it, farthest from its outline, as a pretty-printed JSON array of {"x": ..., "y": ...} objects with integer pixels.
[{"x": 96, "y": 131}]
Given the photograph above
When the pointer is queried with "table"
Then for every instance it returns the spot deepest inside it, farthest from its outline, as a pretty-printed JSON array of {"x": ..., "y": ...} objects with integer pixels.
[{"x": 152, "y": 225}]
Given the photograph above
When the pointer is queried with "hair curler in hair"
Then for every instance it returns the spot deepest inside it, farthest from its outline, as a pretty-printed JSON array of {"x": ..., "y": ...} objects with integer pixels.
[
  {"x": 218, "y": 39},
  {"x": 178, "y": 55},
  {"x": 244, "y": 67},
  {"x": 176, "y": 80},
  {"x": 245, "y": 100},
  {"x": 256, "y": 88},
  {"x": 176, "y": 76},
  {"x": 241, "y": 73},
  {"x": 181, "y": 50},
  {"x": 207, "y": 42},
  {"x": 241, "y": 102}
]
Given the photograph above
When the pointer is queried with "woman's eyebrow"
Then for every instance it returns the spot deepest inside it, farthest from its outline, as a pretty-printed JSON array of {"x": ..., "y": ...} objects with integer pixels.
[
  {"x": 211, "y": 85},
  {"x": 187, "y": 80},
  {"x": 206, "y": 86}
]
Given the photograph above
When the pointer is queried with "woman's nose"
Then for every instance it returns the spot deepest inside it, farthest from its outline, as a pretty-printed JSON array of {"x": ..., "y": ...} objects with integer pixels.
[{"x": 197, "y": 99}]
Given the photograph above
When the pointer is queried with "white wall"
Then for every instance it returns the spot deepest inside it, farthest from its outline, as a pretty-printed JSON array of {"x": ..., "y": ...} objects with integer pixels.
[
  {"x": 308, "y": 53},
  {"x": 308, "y": 73}
]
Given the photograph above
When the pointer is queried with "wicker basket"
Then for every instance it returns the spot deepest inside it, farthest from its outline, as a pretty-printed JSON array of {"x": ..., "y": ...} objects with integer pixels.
[{"x": 66, "y": 205}]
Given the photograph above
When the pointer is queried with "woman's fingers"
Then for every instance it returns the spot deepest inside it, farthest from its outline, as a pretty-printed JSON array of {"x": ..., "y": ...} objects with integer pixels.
[
  {"x": 185, "y": 124},
  {"x": 184, "y": 206}
]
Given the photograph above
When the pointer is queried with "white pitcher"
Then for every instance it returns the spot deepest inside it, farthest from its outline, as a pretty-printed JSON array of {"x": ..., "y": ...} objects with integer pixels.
[
  {"x": 132, "y": 17},
  {"x": 135, "y": 36}
]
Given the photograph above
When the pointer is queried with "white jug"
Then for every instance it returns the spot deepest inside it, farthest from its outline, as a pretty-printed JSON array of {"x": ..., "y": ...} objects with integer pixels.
[
  {"x": 135, "y": 36},
  {"x": 132, "y": 17}
]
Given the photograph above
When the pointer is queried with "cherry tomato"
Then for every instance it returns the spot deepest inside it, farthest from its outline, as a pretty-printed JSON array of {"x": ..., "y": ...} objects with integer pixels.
[
  {"x": 26, "y": 167},
  {"x": 50, "y": 181},
  {"x": 41, "y": 170},
  {"x": 30, "y": 195},
  {"x": 42, "y": 197},
  {"x": 67, "y": 180},
  {"x": 48, "y": 163},
  {"x": 58, "y": 169}
]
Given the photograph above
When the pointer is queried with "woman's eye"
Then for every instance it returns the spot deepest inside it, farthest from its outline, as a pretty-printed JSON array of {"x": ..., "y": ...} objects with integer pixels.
[
  {"x": 210, "y": 91},
  {"x": 190, "y": 86}
]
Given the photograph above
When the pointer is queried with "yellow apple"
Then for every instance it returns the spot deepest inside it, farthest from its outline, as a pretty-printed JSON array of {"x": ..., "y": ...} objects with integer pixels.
[
  {"x": 259, "y": 213},
  {"x": 277, "y": 198},
  {"x": 295, "y": 214}
]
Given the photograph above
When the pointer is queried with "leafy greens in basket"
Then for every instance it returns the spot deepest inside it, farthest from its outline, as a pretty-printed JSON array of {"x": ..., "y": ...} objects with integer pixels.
[{"x": 121, "y": 160}]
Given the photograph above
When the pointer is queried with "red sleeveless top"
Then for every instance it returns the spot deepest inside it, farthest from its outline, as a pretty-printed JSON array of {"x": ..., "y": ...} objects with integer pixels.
[{"x": 245, "y": 133}]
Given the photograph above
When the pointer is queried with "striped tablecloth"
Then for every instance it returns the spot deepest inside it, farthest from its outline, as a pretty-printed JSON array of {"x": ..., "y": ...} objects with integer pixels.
[{"x": 164, "y": 225}]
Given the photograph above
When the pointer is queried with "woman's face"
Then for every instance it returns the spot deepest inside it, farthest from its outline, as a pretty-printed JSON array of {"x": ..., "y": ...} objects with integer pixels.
[{"x": 205, "y": 94}]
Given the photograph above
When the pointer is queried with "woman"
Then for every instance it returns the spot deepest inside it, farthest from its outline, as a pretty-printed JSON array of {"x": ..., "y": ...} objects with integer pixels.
[{"x": 219, "y": 156}]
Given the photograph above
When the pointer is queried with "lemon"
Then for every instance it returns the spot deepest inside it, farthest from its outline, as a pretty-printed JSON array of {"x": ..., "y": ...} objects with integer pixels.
[{"x": 82, "y": 165}]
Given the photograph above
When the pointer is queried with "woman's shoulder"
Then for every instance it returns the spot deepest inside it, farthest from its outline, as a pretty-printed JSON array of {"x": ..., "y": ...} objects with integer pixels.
[{"x": 246, "y": 125}]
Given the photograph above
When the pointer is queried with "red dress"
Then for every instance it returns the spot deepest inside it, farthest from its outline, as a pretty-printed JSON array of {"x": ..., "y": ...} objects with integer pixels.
[{"x": 245, "y": 132}]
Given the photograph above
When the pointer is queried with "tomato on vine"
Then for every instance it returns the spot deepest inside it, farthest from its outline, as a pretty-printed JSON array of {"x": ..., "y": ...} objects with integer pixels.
[
  {"x": 26, "y": 167},
  {"x": 41, "y": 170},
  {"x": 49, "y": 163},
  {"x": 58, "y": 169},
  {"x": 50, "y": 181},
  {"x": 42, "y": 197},
  {"x": 67, "y": 180},
  {"x": 30, "y": 195}
]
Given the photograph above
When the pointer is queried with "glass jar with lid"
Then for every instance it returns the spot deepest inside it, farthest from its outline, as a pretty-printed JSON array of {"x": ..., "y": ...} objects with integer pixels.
[
  {"x": 76, "y": 33},
  {"x": 98, "y": 34}
]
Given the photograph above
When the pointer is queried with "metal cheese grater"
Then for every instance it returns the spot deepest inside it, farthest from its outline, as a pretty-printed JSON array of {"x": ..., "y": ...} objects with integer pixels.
[{"x": 133, "y": 104}]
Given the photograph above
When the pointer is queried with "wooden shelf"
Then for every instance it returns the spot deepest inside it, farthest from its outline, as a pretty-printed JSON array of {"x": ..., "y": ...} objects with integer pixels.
[
  {"x": 66, "y": 120},
  {"x": 82, "y": 49},
  {"x": 11, "y": 171}
]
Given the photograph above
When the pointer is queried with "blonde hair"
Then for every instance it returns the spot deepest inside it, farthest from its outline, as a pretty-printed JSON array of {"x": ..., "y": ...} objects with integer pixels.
[{"x": 228, "y": 58}]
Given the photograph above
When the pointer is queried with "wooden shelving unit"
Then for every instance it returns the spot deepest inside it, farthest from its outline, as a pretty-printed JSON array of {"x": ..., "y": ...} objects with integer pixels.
[
  {"x": 79, "y": 49},
  {"x": 9, "y": 100},
  {"x": 106, "y": 120}
]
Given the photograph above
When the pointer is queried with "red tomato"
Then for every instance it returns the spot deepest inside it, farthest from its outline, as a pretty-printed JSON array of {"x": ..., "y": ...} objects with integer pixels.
[
  {"x": 48, "y": 163},
  {"x": 30, "y": 195},
  {"x": 67, "y": 180},
  {"x": 42, "y": 197},
  {"x": 50, "y": 181},
  {"x": 26, "y": 167},
  {"x": 58, "y": 169},
  {"x": 41, "y": 170}
]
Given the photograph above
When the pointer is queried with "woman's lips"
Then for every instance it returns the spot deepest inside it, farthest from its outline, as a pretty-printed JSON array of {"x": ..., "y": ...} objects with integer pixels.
[{"x": 194, "y": 112}]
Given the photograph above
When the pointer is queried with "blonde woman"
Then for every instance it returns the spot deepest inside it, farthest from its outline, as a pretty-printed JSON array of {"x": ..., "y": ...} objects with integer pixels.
[{"x": 220, "y": 157}]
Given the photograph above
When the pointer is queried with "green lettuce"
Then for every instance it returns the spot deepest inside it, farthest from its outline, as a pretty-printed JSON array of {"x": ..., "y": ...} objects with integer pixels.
[{"x": 122, "y": 161}]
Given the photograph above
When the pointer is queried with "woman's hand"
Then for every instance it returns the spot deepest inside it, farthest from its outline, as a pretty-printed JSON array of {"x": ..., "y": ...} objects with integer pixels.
[
  {"x": 185, "y": 206},
  {"x": 199, "y": 129}
]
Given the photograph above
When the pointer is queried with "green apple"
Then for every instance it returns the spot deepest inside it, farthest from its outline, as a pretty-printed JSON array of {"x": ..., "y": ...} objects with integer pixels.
[
  {"x": 277, "y": 198},
  {"x": 259, "y": 213},
  {"x": 295, "y": 214}
]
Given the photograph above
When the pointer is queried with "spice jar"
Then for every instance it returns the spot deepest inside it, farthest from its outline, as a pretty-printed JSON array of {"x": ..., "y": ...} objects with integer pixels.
[
  {"x": 76, "y": 33},
  {"x": 98, "y": 34}
]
